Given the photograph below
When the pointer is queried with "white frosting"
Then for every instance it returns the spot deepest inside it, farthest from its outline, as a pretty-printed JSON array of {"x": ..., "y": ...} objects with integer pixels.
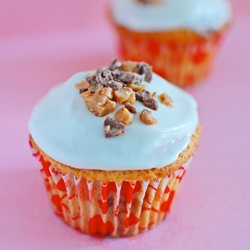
[
  {"x": 197, "y": 15},
  {"x": 67, "y": 131}
]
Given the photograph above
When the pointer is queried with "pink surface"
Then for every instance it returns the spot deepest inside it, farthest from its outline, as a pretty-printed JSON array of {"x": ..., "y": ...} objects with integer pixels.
[{"x": 43, "y": 43}]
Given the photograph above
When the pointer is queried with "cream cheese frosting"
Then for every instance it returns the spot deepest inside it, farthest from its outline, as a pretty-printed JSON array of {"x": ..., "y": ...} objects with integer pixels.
[
  {"x": 63, "y": 127},
  {"x": 198, "y": 15}
]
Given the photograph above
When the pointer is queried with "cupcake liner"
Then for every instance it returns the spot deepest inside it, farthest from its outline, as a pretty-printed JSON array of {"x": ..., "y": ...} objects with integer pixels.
[
  {"x": 181, "y": 57},
  {"x": 108, "y": 208}
]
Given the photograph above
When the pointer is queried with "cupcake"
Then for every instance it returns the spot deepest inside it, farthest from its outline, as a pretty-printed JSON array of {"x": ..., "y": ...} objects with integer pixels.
[
  {"x": 113, "y": 146},
  {"x": 179, "y": 38}
]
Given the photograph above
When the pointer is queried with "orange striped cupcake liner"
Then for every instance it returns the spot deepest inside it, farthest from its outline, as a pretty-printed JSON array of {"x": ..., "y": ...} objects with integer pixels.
[
  {"x": 182, "y": 57},
  {"x": 107, "y": 208}
]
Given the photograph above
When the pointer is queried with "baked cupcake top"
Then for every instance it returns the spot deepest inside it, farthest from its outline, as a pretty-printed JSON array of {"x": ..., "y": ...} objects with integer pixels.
[
  {"x": 121, "y": 117},
  {"x": 197, "y": 15}
]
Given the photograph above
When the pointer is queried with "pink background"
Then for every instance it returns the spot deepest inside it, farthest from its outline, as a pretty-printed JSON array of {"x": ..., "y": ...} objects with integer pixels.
[{"x": 43, "y": 43}]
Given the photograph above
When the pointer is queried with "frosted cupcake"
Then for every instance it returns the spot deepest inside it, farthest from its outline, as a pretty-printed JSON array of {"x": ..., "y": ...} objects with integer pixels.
[
  {"x": 179, "y": 38},
  {"x": 114, "y": 145}
]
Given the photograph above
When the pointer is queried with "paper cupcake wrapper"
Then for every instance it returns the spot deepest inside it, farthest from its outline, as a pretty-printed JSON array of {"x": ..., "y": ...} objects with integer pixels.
[
  {"x": 109, "y": 209},
  {"x": 180, "y": 63}
]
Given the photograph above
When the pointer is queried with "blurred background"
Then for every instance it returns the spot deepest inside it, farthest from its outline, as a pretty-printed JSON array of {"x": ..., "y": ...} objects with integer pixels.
[{"x": 42, "y": 43}]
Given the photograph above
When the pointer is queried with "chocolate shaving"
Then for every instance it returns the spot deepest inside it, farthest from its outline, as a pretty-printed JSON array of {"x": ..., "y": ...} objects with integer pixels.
[
  {"x": 113, "y": 128},
  {"x": 103, "y": 76},
  {"x": 113, "y": 84},
  {"x": 126, "y": 77},
  {"x": 150, "y": 103},
  {"x": 144, "y": 69},
  {"x": 91, "y": 80},
  {"x": 145, "y": 98},
  {"x": 130, "y": 108},
  {"x": 137, "y": 79},
  {"x": 114, "y": 64},
  {"x": 142, "y": 95},
  {"x": 116, "y": 73},
  {"x": 82, "y": 90},
  {"x": 94, "y": 85}
]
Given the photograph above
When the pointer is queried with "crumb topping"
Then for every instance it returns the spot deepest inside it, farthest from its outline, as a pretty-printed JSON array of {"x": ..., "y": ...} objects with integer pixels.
[{"x": 121, "y": 83}]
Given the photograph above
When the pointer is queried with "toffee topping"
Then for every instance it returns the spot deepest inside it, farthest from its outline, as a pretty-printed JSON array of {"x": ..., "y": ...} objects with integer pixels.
[{"x": 120, "y": 84}]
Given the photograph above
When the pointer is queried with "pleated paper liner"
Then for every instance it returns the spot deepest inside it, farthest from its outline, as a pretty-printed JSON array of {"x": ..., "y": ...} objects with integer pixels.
[
  {"x": 109, "y": 209},
  {"x": 182, "y": 57}
]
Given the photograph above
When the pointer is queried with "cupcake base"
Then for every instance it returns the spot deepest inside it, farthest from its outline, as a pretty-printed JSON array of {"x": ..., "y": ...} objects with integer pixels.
[{"x": 183, "y": 57}]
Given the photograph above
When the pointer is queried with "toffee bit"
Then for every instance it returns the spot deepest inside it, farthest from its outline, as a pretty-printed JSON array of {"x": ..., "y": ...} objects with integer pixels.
[
  {"x": 124, "y": 116},
  {"x": 130, "y": 108},
  {"x": 99, "y": 105},
  {"x": 113, "y": 128},
  {"x": 150, "y": 103},
  {"x": 166, "y": 100},
  {"x": 120, "y": 83},
  {"x": 124, "y": 95},
  {"x": 107, "y": 91},
  {"x": 128, "y": 66},
  {"x": 147, "y": 117},
  {"x": 144, "y": 69},
  {"x": 131, "y": 99},
  {"x": 137, "y": 87},
  {"x": 94, "y": 88},
  {"x": 85, "y": 94},
  {"x": 152, "y": 95},
  {"x": 82, "y": 85}
]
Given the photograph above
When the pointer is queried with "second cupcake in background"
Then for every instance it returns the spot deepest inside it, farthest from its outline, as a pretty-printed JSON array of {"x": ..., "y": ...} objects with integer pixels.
[{"x": 179, "y": 38}]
